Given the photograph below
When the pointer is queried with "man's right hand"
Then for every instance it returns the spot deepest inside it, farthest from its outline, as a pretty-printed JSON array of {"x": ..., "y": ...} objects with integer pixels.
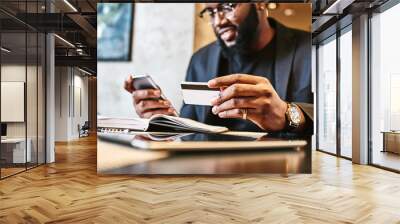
[{"x": 148, "y": 102}]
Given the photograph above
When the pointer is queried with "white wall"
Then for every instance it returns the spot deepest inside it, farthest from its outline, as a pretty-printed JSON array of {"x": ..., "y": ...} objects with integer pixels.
[
  {"x": 61, "y": 103},
  {"x": 162, "y": 46},
  {"x": 80, "y": 101},
  {"x": 13, "y": 99},
  {"x": 10, "y": 73},
  {"x": 69, "y": 84},
  {"x": 17, "y": 73}
]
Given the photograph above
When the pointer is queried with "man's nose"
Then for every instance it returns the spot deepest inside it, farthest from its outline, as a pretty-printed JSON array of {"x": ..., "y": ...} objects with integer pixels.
[{"x": 219, "y": 19}]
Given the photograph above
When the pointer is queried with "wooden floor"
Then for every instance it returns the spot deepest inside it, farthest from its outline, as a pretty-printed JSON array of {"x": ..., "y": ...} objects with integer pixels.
[
  {"x": 70, "y": 191},
  {"x": 387, "y": 159},
  {"x": 5, "y": 172}
]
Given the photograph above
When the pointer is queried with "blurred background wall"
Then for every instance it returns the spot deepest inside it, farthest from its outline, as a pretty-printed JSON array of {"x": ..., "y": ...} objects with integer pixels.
[
  {"x": 162, "y": 45},
  {"x": 164, "y": 38}
]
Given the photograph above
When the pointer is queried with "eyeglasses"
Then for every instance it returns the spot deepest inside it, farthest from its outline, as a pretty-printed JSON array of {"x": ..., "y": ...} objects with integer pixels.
[{"x": 226, "y": 8}]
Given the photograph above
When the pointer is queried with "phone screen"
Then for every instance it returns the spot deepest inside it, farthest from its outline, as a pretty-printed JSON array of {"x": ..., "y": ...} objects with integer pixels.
[{"x": 144, "y": 82}]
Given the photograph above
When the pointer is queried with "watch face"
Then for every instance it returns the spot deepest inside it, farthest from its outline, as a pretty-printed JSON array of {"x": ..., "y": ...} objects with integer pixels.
[{"x": 294, "y": 115}]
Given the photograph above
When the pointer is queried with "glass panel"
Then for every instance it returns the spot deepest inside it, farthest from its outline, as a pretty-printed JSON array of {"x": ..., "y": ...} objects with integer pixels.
[
  {"x": 385, "y": 89},
  {"x": 13, "y": 87},
  {"x": 31, "y": 100},
  {"x": 327, "y": 97},
  {"x": 23, "y": 85},
  {"x": 346, "y": 94},
  {"x": 32, "y": 89}
]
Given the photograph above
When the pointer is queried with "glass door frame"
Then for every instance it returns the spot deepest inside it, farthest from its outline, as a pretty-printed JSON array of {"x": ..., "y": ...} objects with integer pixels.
[
  {"x": 382, "y": 8},
  {"x": 30, "y": 29},
  {"x": 334, "y": 37}
]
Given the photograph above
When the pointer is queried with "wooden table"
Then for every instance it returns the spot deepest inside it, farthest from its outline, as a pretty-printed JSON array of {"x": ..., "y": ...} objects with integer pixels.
[
  {"x": 114, "y": 158},
  {"x": 391, "y": 141}
]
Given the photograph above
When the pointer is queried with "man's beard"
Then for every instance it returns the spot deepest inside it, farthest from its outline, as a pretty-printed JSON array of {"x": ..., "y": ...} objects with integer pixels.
[{"x": 247, "y": 33}]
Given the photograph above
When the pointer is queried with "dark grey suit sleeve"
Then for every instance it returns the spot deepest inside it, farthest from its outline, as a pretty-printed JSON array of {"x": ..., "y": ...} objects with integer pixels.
[
  {"x": 301, "y": 93},
  {"x": 307, "y": 108},
  {"x": 188, "y": 111}
]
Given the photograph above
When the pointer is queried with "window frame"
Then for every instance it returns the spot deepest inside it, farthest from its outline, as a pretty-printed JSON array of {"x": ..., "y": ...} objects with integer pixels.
[
  {"x": 333, "y": 37},
  {"x": 378, "y": 10}
]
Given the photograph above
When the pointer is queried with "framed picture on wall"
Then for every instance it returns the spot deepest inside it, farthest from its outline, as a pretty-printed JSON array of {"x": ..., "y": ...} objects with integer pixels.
[{"x": 114, "y": 31}]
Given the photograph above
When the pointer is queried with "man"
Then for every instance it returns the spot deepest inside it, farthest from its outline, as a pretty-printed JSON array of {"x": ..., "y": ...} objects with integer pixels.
[{"x": 262, "y": 68}]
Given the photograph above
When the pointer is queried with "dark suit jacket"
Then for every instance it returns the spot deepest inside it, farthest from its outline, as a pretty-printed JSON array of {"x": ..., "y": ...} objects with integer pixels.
[{"x": 292, "y": 70}]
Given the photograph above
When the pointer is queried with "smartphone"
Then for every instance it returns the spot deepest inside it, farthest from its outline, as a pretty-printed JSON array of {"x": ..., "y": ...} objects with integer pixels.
[{"x": 145, "y": 82}]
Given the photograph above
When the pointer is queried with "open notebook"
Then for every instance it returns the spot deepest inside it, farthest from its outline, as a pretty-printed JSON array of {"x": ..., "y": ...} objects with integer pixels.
[{"x": 159, "y": 122}]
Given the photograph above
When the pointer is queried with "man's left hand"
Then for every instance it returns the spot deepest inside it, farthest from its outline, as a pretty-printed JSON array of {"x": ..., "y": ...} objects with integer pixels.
[{"x": 254, "y": 94}]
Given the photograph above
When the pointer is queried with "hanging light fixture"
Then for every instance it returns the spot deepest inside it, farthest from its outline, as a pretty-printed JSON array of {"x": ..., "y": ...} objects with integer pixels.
[
  {"x": 5, "y": 50},
  {"x": 70, "y": 5}
]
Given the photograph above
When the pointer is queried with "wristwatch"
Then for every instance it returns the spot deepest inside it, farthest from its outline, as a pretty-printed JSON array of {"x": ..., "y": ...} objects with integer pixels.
[{"x": 293, "y": 116}]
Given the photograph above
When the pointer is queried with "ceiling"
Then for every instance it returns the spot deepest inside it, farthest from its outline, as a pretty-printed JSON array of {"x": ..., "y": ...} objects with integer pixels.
[
  {"x": 332, "y": 15},
  {"x": 74, "y": 22}
]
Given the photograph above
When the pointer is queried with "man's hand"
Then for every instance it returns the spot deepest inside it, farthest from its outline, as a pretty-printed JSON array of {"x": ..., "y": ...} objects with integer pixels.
[
  {"x": 148, "y": 102},
  {"x": 252, "y": 93}
]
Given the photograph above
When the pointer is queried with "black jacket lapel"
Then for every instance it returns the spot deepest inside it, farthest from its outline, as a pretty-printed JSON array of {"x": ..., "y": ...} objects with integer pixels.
[
  {"x": 284, "y": 59},
  {"x": 213, "y": 61},
  {"x": 211, "y": 72}
]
